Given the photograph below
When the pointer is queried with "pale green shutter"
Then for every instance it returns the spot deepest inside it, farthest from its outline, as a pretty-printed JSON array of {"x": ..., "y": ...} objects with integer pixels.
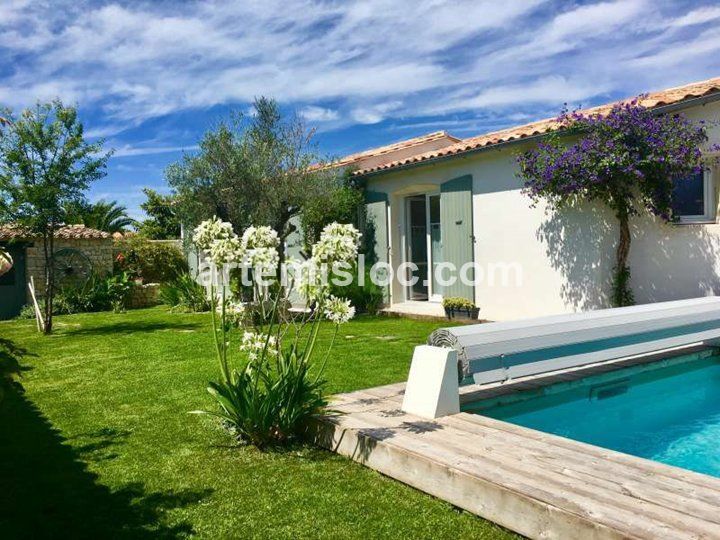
[
  {"x": 375, "y": 231},
  {"x": 456, "y": 226}
]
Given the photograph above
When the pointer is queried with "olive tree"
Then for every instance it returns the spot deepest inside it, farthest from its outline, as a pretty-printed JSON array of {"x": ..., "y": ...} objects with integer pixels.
[{"x": 260, "y": 169}]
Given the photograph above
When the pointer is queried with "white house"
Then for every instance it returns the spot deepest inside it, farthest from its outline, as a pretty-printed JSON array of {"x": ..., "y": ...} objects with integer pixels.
[{"x": 437, "y": 198}]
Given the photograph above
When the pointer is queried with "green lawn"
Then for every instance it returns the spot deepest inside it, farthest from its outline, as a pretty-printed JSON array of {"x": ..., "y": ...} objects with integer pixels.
[{"x": 101, "y": 443}]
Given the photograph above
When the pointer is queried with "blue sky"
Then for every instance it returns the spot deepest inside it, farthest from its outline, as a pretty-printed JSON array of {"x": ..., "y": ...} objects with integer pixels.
[{"x": 151, "y": 77}]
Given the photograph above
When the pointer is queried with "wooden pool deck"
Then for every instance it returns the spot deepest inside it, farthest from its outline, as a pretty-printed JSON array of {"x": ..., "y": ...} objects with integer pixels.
[{"x": 537, "y": 484}]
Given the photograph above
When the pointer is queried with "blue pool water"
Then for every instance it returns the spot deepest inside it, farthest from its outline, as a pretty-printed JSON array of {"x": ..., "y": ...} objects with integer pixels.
[{"x": 669, "y": 412}]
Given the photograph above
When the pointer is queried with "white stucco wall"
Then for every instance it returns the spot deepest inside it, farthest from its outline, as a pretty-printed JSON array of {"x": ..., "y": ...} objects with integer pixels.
[{"x": 566, "y": 258}]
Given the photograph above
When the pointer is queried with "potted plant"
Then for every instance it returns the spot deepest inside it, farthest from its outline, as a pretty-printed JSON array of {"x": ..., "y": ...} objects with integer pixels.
[{"x": 461, "y": 308}]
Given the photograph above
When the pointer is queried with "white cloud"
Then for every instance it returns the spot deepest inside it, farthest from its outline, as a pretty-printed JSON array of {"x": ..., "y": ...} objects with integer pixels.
[
  {"x": 140, "y": 60},
  {"x": 698, "y": 16},
  {"x": 553, "y": 90},
  {"x": 374, "y": 113},
  {"x": 704, "y": 45},
  {"x": 126, "y": 150},
  {"x": 135, "y": 61},
  {"x": 318, "y": 114}
]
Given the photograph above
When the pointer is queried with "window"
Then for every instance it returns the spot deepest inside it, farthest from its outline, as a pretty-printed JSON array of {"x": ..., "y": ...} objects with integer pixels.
[{"x": 694, "y": 198}]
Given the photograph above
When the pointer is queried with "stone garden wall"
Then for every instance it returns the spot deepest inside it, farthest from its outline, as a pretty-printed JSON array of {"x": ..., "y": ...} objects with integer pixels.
[
  {"x": 145, "y": 295},
  {"x": 99, "y": 251}
]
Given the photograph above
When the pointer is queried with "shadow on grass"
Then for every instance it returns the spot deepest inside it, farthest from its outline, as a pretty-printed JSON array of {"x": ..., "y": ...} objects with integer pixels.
[
  {"x": 11, "y": 367},
  {"x": 48, "y": 492},
  {"x": 129, "y": 327}
]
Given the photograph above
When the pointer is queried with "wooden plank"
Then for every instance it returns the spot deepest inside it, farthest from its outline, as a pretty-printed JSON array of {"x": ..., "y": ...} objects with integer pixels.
[
  {"x": 527, "y": 515},
  {"x": 671, "y": 492},
  {"x": 475, "y": 456},
  {"x": 538, "y": 484},
  {"x": 650, "y": 467},
  {"x": 39, "y": 320}
]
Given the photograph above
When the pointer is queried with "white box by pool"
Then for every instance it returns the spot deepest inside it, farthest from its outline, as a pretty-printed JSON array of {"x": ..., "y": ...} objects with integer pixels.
[{"x": 594, "y": 425}]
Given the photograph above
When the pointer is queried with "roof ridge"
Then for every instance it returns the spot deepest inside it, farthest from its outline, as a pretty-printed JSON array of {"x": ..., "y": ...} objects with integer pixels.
[{"x": 397, "y": 145}]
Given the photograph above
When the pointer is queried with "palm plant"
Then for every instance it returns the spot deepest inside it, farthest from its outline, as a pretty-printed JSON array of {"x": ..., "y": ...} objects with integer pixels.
[{"x": 102, "y": 215}]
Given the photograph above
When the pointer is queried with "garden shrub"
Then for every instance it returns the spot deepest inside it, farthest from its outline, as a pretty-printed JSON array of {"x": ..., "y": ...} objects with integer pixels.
[
  {"x": 367, "y": 298},
  {"x": 97, "y": 294},
  {"x": 150, "y": 261},
  {"x": 185, "y": 294}
]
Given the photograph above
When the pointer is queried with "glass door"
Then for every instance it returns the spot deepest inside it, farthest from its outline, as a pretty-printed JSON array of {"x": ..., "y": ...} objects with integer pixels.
[{"x": 417, "y": 246}]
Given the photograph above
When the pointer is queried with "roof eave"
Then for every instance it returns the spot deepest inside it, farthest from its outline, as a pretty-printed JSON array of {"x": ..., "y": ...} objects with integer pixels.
[{"x": 700, "y": 100}]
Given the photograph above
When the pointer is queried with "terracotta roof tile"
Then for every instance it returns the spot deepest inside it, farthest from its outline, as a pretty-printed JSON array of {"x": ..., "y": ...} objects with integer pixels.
[
  {"x": 387, "y": 150},
  {"x": 394, "y": 147},
  {"x": 652, "y": 100},
  {"x": 68, "y": 232}
]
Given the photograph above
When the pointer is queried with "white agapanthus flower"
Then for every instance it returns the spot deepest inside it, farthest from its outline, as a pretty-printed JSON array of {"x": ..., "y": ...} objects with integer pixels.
[
  {"x": 253, "y": 344},
  {"x": 234, "y": 311},
  {"x": 225, "y": 250},
  {"x": 260, "y": 237},
  {"x": 338, "y": 310},
  {"x": 262, "y": 257},
  {"x": 260, "y": 247},
  {"x": 210, "y": 230},
  {"x": 338, "y": 243},
  {"x": 312, "y": 281}
]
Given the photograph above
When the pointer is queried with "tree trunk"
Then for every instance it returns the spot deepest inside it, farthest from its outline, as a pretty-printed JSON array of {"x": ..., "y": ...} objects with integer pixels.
[
  {"x": 622, "y": 294},
  {"x": 48, "y": 250}
]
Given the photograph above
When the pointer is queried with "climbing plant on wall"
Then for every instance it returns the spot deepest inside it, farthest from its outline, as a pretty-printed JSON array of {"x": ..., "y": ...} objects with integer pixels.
[{"x": 627, "y": 158}]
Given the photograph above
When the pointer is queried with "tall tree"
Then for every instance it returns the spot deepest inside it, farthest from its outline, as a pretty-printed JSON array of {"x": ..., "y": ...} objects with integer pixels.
[
  {"x": 162, "y": 222},
  {"x": 626, "y": 159},
  {"x": 257, "y": 170},
  {"x": 45, "y": 165},
  {"x": 101, "y": 215}
]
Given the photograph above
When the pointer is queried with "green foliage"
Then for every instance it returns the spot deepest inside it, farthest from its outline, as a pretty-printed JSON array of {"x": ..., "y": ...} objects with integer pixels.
[
  {"x": 272, "y": 397},
  {"x": 153, "y": 262},
  {"x": 45, "y": 166},
  {"x": 102, "y": 215},
  {"x": 99, "y": 293},
  {"x": 28, "y": 311},
  {"x": 367, "y": 298},
  {"x": 341, "y": 202},
  {"x": 252, "y": 170},
  {"x": 162, "y": 222},
  {"x": 458, "y": 303},
  {"x": 271, "y": 403},
  {"x": 185, "y": 294}
]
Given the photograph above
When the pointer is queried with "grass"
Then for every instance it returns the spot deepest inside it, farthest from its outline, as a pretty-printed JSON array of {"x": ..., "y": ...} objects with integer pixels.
[{"x": 100, "y": 443}]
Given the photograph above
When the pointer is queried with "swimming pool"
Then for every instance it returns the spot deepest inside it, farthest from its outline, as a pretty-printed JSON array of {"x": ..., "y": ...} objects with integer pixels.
[{"x": 667, "y": 411}]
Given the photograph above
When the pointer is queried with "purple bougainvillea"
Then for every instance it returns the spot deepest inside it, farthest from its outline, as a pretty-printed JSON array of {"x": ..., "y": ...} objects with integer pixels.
[{"x": 627, "y": 158}]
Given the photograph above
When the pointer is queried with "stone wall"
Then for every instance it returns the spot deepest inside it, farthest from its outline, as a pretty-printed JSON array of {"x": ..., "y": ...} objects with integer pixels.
[
  {"x": 99, "y": 251},
  {"x": 145, "y": 295}
]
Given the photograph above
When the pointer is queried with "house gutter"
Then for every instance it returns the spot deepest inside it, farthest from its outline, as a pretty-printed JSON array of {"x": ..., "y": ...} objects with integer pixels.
[{"x": 663, "y": 109}]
